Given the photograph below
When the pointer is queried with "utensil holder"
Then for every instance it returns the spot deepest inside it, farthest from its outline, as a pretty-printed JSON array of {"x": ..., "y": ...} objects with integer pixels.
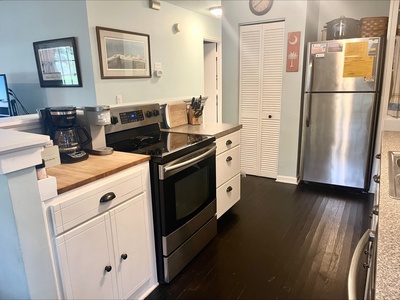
[{"x": 193, "y": 120}]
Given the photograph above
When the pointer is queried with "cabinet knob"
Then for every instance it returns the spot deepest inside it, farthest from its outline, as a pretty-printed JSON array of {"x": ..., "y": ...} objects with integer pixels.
[
  {"x": 377, "y": 178},
  {"x": 269, "y": 116},
  {"x": 124, "y": 256},
  {"x": 229, "y": 158},
  {"x": 228, "y": 189},
  {"x": 108, "y": 268},
  {"x": 374, "y": 211},
  {"x": 228, "y": 142},
  {"x": 378, "y": 156}
]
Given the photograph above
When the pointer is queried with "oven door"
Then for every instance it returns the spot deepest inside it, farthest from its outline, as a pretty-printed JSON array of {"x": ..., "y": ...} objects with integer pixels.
[{"x": 187, "y": 186}]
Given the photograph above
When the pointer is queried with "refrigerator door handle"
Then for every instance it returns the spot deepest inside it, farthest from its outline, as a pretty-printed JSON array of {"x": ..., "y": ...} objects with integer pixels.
[{"x": 308, "y": 117}]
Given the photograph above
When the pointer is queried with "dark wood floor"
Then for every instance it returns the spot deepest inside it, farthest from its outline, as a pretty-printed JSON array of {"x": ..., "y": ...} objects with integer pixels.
[{"x": 280, "y": 241}]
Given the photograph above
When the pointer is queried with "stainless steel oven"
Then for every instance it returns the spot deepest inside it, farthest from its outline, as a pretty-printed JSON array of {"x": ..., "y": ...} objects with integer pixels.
[
  {"x": 185, "y": 192},
  {"x": 183, "y": 183}
]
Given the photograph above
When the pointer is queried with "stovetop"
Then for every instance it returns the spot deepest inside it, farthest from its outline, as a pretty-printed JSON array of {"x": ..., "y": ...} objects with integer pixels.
[
  {"x": 162, "y": 146},
  {"x": 136, "y": 129}
]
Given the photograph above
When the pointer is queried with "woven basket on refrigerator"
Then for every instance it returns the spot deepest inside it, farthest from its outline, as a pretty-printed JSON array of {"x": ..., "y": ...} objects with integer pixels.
[{"x": 373, "y": 26}]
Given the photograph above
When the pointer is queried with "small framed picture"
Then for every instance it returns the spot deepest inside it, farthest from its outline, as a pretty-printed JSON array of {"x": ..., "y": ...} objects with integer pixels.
[
  {"x": 57, "y": 63},
  {"x": 123, "y": 54}
]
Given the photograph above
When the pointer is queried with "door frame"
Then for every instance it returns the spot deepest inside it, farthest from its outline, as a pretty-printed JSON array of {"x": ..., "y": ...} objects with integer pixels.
[{"x": 217, "y": 41}]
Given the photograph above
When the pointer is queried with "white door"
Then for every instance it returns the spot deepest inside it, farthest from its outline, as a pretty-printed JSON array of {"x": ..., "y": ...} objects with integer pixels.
[
  {"x": 87, "y": 268},
  {"x": 131, "y": 245},
  {"x": 211, "y": 83},
  {"x": 261, "y": 67}
]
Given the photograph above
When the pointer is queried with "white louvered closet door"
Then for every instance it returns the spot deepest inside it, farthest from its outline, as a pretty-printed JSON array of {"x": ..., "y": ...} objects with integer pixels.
[{"x": 261, "y": 67}]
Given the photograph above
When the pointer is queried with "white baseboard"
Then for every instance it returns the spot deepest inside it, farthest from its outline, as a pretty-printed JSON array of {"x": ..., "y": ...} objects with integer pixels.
[{"x": 288, "y": 179}]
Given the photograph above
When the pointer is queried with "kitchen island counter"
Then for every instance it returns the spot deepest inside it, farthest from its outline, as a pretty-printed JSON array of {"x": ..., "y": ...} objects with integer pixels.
[
  {"x": 71, "y": 176},
  {"x": 388, "y": 237},
  {"x": 216, "y": 129}
]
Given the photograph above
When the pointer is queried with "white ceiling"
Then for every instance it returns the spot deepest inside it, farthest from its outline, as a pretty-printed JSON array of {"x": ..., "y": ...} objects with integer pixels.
[{"x": 199, "y": 6}]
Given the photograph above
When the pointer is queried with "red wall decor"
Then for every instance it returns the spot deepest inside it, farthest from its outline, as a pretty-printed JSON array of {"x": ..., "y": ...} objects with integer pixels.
[{"x": 293, "y": 49}]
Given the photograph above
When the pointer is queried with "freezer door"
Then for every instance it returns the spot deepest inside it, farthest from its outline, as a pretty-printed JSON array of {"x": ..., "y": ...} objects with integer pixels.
[
  {"x": 352, "y": 65},
  {"x": 338, "y": 132}
]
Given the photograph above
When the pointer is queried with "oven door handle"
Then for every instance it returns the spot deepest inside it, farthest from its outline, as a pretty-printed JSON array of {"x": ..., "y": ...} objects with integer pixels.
[{"x": 188, "y": 162}]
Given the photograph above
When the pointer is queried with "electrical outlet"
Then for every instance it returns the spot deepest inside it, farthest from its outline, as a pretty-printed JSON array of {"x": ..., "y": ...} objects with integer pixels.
[{"x": 119, "y": 99}]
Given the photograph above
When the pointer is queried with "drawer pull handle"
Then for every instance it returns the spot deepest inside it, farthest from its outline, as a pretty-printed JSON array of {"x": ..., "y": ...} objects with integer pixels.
[
  {"x": 107, "y": 197},
  {"x": 228, "y": 189},
  {"x": 124, "y": 256},
  {"x": 108, "y": 269},
  {"x": 228, "y": 142},
  {"x": 229, "y": 158}
]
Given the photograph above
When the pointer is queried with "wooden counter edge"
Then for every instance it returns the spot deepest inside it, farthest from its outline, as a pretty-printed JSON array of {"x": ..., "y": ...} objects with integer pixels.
[{"x": 62, "y": 188}]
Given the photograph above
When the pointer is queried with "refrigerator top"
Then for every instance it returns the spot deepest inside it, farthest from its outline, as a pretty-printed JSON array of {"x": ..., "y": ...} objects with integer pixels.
[{"x": 348, "y": 65}]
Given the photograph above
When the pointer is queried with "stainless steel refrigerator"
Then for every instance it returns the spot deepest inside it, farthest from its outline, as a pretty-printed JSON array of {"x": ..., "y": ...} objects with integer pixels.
[{"x": 341, "y": 101}]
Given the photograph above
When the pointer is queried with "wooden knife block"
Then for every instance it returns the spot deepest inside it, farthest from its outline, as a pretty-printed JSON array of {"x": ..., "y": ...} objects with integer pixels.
[{"x": 192, "y": 119}]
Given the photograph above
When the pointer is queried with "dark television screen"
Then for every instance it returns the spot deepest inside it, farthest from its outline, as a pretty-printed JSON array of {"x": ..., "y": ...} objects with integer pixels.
[{"x": 4, "y": 97}]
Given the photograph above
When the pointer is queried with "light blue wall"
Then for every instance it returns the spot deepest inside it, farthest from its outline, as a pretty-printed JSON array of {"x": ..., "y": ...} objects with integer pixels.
[
  {"x": 305, "y": 16},
  {"x": 181, "y": 55},
  {"x": 25, "y": 22}
]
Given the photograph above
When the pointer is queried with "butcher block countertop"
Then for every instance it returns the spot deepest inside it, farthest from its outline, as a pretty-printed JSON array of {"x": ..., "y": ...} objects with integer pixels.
[{"x": 71, "y": 176}]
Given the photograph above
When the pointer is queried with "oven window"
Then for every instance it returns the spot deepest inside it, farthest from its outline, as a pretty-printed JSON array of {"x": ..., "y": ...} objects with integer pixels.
[{"x": 191, "y": 192}]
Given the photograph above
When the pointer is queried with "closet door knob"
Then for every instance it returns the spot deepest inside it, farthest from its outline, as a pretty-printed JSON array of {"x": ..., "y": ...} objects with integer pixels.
[
  {"x": 270, "y": 116},
  {"x": 124, "y": 256}
]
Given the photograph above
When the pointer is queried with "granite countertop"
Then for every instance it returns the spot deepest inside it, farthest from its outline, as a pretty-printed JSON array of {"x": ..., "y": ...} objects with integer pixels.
[
  {"x": 388, "y": 237},
  {"x": 71, "y": 176},
  {"x": 215, "y": 129}
]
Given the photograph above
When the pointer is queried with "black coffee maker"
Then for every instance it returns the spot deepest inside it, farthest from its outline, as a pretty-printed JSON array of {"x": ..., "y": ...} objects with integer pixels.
[{"x": 61, "y": 125}]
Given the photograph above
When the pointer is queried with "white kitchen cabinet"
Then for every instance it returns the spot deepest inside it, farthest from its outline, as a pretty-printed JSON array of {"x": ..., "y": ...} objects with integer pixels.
[
  {"x": 228, "y": 171},
  {"x": 105, "y": 250},
  {"x": 84, "y": 253}
]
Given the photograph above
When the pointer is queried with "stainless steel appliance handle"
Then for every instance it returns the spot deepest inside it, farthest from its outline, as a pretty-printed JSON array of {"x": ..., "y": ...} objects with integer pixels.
[
  {"x": 355, "y": 260},
  {"x": 308, "y": 118},
  {"x": 189, "y": 161}
]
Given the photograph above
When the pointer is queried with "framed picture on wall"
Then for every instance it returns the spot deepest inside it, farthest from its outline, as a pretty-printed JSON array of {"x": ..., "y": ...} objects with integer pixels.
[
  {"x": 123, "y": 54},
  {"x": 57, "y": 63}
]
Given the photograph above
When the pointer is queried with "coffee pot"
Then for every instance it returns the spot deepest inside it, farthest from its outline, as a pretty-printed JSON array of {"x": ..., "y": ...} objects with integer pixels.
[{"x": 60, "y": 123}]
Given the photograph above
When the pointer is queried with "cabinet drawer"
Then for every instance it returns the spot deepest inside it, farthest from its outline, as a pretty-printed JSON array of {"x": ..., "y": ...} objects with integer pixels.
[
  {"x": 227, "y": 195},
  {"x": 72, "y": 209},
  {"x": 228, "y": 165},
  {"x": 228, "y": 141}
]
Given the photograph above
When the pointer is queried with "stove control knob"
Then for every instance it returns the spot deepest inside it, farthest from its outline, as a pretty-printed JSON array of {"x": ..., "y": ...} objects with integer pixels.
[
  {"x": 156, "y": 112},
  {"x": 114, "y": 120},
  {"x": 149, "y": 114}
]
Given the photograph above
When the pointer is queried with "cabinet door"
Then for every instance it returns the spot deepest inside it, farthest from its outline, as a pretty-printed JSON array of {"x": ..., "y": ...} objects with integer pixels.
[
  {"x": 131, "y": 245},
  {"x": 84, "y": 254}
]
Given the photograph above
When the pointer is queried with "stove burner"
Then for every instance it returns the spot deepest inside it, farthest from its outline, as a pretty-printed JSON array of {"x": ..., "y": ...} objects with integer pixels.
[{"x": 144, "y": 140}]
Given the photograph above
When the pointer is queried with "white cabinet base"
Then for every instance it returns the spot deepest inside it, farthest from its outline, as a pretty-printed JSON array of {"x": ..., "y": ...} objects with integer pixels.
[{"x": 228, "y": 171}]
